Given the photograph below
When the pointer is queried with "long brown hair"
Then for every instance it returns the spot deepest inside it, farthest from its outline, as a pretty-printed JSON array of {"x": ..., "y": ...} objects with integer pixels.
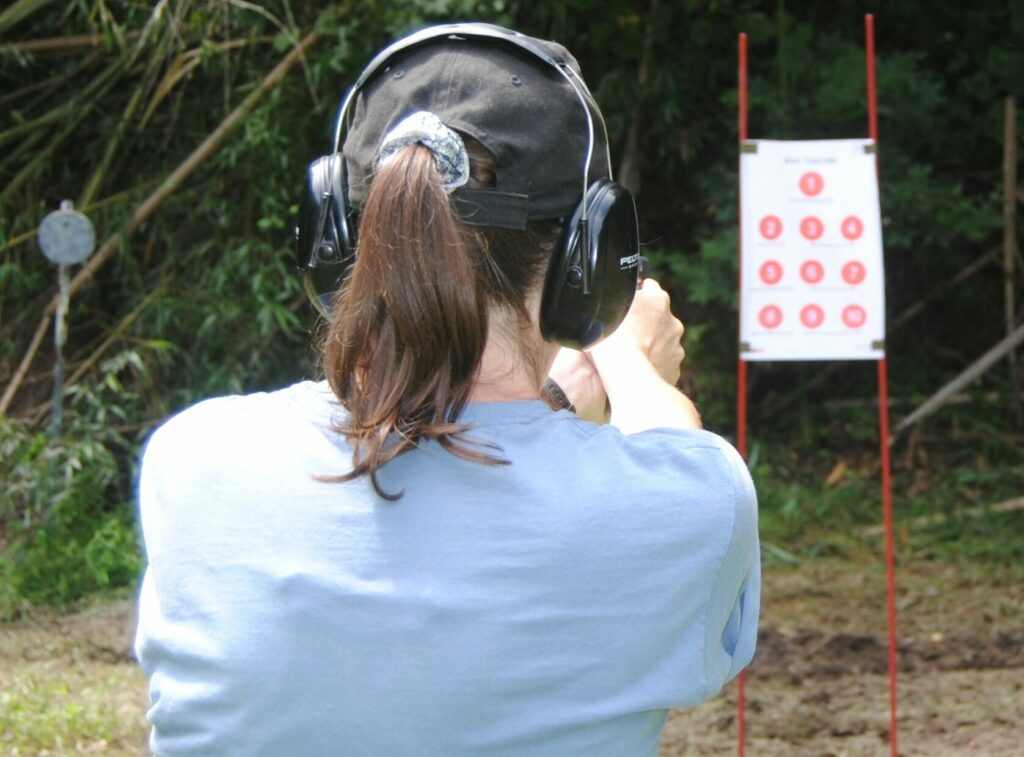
[{"x": 410, "y": 323}]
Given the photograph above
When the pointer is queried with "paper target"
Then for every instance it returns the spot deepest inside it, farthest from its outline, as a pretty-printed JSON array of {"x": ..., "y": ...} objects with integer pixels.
[{"x": 812, "y": 272}]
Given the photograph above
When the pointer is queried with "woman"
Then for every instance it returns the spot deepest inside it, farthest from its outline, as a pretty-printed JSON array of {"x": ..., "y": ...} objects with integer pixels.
[{"x": 419, "y": 556}]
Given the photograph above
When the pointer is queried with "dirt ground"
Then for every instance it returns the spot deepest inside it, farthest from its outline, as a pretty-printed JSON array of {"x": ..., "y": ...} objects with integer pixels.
[{"x": 818, "y": 685}]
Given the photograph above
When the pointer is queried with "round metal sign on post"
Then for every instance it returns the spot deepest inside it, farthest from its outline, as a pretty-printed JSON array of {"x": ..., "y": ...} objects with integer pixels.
[{"x": 66, "y": 236}]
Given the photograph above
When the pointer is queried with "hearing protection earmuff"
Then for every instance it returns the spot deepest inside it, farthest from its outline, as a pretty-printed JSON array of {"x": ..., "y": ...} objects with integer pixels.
[{"x": 592, "y": 276}]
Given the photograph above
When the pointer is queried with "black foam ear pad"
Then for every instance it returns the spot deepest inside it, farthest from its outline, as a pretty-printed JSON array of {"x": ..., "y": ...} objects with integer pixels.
[
  {"x": 611, "y": 244},
  {"x": 325, "y": 237}
]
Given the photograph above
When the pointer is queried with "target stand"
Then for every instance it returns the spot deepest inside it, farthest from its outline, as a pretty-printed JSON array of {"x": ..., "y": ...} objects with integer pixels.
[{"x": 811, "y": 282}]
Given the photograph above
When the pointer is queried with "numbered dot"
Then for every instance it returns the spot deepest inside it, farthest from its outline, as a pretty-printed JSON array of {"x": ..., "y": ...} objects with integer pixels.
[
  {"x": 812, "y": 316},
  {"x": 812, "y": 271},
  {"x": 812, "y": 228},
  {"x": 852, "y": 228},
  {"x": 771, "y": 227},
  {"x": 854, "y": 316},
  {"x": 811, "y": 183},
  {"x": 854, "y": 273},
  {"x": 771, "y": 272},
  {"x": 770, "y": 316}
]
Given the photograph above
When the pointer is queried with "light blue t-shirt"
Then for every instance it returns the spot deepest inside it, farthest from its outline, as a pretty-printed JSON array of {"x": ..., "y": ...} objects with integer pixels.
[{"x": 559, "y": 605}]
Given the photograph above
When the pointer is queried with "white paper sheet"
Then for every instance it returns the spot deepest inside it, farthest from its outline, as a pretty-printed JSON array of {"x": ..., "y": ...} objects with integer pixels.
[{"x": 812, "y": 279}]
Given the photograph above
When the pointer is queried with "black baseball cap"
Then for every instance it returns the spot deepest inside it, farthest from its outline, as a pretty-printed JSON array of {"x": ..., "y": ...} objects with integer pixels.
[{"x": 520, "y": 97}]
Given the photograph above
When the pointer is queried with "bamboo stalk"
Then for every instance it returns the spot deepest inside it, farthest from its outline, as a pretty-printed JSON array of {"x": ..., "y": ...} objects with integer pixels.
[
  {"x": 19, "y": 10},
  {"x": 151, "y": 203},
  {"x": 42, "y": 157},
  {"x": 81, "y": 106},
  {"x": 75, "y": 80},
  {"x": 30, "y": 353},
  {"x": 95, "y": 181},
  {"x": 183, "y": 65},
  {"x": 35, "y": 86},
  {"x": 100, "y": 172},
  {"x": 969, "y": 374},
  {"x": 26, "y": 145},
  {"x": 39, "y": 412},
  {"x": 123, "y": 325},
  {"x": 89, "y": 95},
  {"x": 47, "y": 85},
  {"x": 27, "y": 127},
  {"x": 61, "y": 44}
]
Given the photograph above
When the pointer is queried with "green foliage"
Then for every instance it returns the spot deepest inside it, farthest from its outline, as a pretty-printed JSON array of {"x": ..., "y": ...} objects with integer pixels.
[
  {"x": 822, "y": 495},
  {"x": 67, "y": 520}
]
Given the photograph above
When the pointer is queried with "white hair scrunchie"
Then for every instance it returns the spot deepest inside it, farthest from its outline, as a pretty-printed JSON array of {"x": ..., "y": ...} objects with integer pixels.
[{"x": 445, "y": 145}]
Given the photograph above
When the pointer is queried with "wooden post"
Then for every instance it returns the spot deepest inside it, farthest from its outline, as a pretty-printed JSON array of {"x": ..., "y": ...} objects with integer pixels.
[{"x": 1009, "y": 244}]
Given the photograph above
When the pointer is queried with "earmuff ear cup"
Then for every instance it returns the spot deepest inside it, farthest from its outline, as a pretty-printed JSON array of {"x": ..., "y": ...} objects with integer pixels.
[
  {"x": 325, "y": 236},
  {"x": 612, "y": 244}
]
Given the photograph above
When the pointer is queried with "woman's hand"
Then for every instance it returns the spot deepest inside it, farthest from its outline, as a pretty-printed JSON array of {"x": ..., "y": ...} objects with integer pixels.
[
  {"x": 651, "y": 327},
  {"x": 576, "y": 375},
  {"x": 640, "y": 363}
]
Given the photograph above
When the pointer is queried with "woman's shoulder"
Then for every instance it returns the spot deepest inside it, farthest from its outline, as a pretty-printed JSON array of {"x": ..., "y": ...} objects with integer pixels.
[
  {"x": 663, "y": 446},
  {"x": 668, "y": 466},
  {"x": 235, "y": 421},
  {"x": 657, "y": 458}
]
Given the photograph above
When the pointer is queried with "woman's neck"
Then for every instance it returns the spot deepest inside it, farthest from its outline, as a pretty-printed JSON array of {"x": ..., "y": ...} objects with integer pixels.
[{"x": 515, "y": 362}]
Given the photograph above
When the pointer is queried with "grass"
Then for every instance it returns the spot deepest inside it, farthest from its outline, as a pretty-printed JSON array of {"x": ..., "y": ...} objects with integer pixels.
[
  {"x": 40, "y": 712},
  {"x": 68, "y": 685},
  {"x": 820, "y": 496}
]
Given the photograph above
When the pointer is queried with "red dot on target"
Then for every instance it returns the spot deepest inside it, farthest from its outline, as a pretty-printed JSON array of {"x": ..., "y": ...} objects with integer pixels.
[
  {"x": 854, "y": 272},
  {"x": 771, "y": 227},
  {"x": 771, "y": 272},
  {"x": 770, "y": 316},
  {"x": 854, "y": 316},
  {"x": 811, "y": 183},
  {"x": 812, "y": 316},
  {"x": 812, "y": 228},
  {"x": 852, "y": 228},
  {"x": 812, "y": 271}
]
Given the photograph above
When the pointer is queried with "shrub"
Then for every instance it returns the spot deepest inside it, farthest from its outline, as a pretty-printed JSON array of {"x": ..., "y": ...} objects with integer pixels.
[{"x": 64, "y": 521}]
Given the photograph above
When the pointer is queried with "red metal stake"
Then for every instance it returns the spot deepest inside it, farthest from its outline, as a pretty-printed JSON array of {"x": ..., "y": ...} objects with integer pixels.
[
  {"x": 869, "y": 53},
  {"x": 741, "y": 368},
  {"x": 883, "y": 424},
  {"x": 883, "y": 406},
  {"x": 890, "y": 562}
]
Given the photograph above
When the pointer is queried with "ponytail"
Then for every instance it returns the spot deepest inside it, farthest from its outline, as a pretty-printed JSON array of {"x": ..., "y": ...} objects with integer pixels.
[{"x": 410, "y": 323}]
